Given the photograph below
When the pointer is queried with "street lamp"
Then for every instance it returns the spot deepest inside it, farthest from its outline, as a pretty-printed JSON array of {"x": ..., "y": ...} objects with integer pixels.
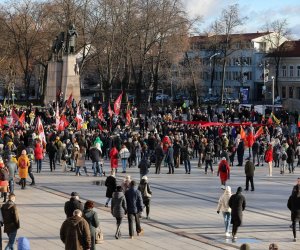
[
  {"x": 273, "y": 93},
  {"x": 212, "y": 69}
]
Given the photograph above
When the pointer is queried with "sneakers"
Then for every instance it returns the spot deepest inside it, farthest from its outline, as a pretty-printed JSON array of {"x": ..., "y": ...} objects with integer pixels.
[
  {"x": 234, "y": 238},
  {"x": 141, "y": 232},
  {"x": 227, "y": 234}
]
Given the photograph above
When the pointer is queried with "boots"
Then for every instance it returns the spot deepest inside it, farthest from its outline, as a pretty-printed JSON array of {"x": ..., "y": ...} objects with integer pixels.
[{"x": 23, "y": 183}]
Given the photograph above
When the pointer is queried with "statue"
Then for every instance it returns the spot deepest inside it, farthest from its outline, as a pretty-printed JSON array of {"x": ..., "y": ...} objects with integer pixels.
[
  {"x": 57, "y": 45},
  {"x": 71, "y": 39}
]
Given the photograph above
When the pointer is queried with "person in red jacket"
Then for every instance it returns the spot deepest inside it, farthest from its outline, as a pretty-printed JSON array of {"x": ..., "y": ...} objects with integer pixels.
[
  {"x": 269, "y": 158},
  {"x": 114, "y": 158},
  {"x": 224, "y": 172},
  {"x": 38, "y": 155}
]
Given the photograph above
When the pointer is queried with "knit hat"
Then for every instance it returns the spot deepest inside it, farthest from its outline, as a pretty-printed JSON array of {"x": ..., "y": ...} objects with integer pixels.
[{"x": 239, "y": 190}]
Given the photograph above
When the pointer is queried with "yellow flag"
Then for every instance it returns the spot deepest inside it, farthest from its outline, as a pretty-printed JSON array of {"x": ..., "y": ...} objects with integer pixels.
[{"x": 275, "y": 118}]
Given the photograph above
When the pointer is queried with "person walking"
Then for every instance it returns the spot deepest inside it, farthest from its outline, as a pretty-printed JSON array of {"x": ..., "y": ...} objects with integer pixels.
[
  {"x": 23, "y": 165},
  {"x": 118, "y": 208},
  {"x": 224, "y": 172},
  {"x": 237, "y": 203},
  {"x": 64, "y": 157},
  {"x": 208, "y": 156},
  {"x": 144, "y": 166},
  {"x": 95, "y": 154},
  {"x": 134, "y": 208},
  {"x": 293, "y": 205},
  {"x": 114, "y": 158},
  {"x": 80, "y": 160},
  {"x": 223, "y": 206},
  {"x": 186, "y": 152},
  {"x": 92, "y": 219},
  {"x": 75, "y": 232},
  {"x": 291, "y": 158},
  {"x": 38, "y": 155},
  {"x": 4, "y": 178},
  {"x": 170, "y": 159},
  {"x": 73, "y": 204},
  {"x": 159, "y": 156},
  {"x": 269, "y": 158},
  {"x": 111, "y": 184},
  {"x": 124, "y": 155},
  {"x": 51, "y": 150},
  {"x": 10, "y": 220},
  {"x": 12, "y": 168},
  {"x": 146, "y": 192},
  {"x": 249, "y": 172}
]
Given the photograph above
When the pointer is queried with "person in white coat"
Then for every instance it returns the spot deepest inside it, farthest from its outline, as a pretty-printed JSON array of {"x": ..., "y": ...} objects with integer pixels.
[{"x": 223, "y": 206}]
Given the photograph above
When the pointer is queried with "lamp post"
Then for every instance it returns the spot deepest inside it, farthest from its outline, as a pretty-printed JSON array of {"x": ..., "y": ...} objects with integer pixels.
[
  {"x": 273, "y": 78},
  {"x": 212, "y": 69}
]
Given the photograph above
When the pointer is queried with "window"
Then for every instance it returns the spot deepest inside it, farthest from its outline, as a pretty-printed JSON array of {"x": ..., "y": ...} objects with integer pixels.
[
  {"x": 291, "y": 70},
  {"x": 290, "y": 92},
  {"x": 283, "y": 68},
  {"x": 283, "y": 92},
  {"x": 298, "y": 71}
]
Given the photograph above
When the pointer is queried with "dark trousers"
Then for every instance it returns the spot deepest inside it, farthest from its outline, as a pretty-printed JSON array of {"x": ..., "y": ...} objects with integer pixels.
[
  {"x": 135, "y": 217},
  {"x": 249, "y": 178},
  {"x": 38, "y": 166},
  {"x": 147, "y": 205},
  {"x": 294, "y": 227},
  {"x": 208, "y": 162},
  {"x": 234, "y": 229},
  {"x": 52, "y": 163},
  {"x": 171, "y": 168},
  {"x": 157, "y": 166}
]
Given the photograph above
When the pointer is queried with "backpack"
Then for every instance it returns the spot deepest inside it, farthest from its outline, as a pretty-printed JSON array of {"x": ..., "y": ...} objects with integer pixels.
[
  {"x": 23, "y": 163},
  {"x": 223, "y": 168},
  {"x": 4, "y": 176},
  {"x": 284, "y": 156}
]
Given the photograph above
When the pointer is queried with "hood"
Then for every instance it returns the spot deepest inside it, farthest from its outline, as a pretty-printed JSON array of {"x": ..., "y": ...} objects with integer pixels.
[
  {"x": 117, "y": 195},
  {"x": 74, "y": 220},
  {"x": 143, "y": 181}
]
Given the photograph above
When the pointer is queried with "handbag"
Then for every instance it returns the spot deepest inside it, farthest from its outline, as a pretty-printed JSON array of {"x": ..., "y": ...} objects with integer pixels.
[
  {"x": 99, "y": 236},
  {"x": 146, "y": 194}
]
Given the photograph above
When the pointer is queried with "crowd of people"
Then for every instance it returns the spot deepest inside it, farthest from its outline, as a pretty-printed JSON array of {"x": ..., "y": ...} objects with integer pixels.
[{"x": 74, "y": 133}]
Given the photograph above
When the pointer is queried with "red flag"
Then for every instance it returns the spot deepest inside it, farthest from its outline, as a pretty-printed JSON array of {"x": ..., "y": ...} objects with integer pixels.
[
  {"x": 78, "y": 119},
  {"x": 4, "y": 121},
  {"x": 1, "y": 123},
  {"x": 242, "y": 133},
  {"x": 64, "y": 119},
  {"x": 117, "y": 105},
  {"x": 40, "y": 130},
  {"x": 250, "y": 139},
  {"x": 128, "y": 115},
  {"x": 299, "y": 121},
  {"x": 270, "y": 121},
  {"x": 110, "y": 112},
  {"x": 69, "y": 100},
  {"x": 57, "y": 117},
  {"x": 22, "y": 118},
  {"x": 100, "y": 114},
  {"x": 100, "y": 127},
  {"x": 258, "y": 133},
  {"x": 14, "y": 116}
]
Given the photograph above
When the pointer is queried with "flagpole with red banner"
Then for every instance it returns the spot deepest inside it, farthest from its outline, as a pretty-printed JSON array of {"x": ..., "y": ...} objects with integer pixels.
[{"x": 117, "y": 104}]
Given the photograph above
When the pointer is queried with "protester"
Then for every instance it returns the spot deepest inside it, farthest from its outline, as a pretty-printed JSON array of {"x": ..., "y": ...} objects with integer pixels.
[
  {"x": 237, "y": 203},
  {"x": 92, "y": 219},
  {"x": 75, "y": 232},
  {"x": 269, "y": 158},
  {"x": 23, "y": 165},
  {"x": 118, "y": 208},
  {"x": 223, "y": 206},
  {"x": 38, "y": 155},
  {"x": 111, "y": 184},
  {"x": 114, "y": 155},
  {"x": 224, "y": 171},
  {"x": 124, "y": 155},
  {"x": 249, "y": 172},
  {"x": 146, "y": 192},
  {"x": 4, "y": 178},
  {"x": 134, "y": 208}
]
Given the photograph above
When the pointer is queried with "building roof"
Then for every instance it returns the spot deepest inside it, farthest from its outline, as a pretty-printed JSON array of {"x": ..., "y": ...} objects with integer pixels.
[
  {"x": 289, "y": 49},
  {"x": 238, "y": 37}
]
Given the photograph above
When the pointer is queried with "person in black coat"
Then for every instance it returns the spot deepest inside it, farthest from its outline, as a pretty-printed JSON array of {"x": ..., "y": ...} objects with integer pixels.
[
  {"x": 290, "y": 158},
  {"x": 240, "y": 153},
  {"x": 73, "y": 204},
  {"x": 294, "y": 206},
  {"x": 144, "y": 166},
  {"x": 118, "y": 208},
  {"x": 52, "y": 150},
  {"x": 249, "y": 172},
  {"x": 134, "y": 208},
  {"x": 111, "y": 184},
  {"x": 159, "y": 156},
  {"x": 170, "y": 159},
  {"x": 237, "y": 203}
]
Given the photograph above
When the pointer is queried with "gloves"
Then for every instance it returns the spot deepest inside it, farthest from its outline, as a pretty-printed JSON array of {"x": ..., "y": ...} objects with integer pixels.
[{"x": 218, "y": 212}]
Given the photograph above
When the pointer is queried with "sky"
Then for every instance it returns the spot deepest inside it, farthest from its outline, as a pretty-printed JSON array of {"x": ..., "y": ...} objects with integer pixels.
[{"x": 258, "y": 13}]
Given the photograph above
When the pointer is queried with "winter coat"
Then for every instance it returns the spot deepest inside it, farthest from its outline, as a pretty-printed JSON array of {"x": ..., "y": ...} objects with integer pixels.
[
  {"x": 237, "y": 203},
  {"x": 249, "y": 169},
  {"x": 111, "y": 184},
  {"x": 124, "y": 153},
  {"x": 10, "y": 217},
  {"x": 290, "y": 155},
  {"x": 75, "y": 233},
  {"x": 51, "y": 150},
  {"x": 144, "y": 185},
  {"x": 159, "y": 153},
  {"x": 23, "y": 171},
  {"x": 134, "y": 201},
  {"x": 72, "y": 205},
  {"x": 223, "y": 204},
  {"x": 113, "y": 155},
  {"x": 80, "y": 159},
  {"x": 170, "y": 156},
  {"x": 92, "y": 219},
  {"x": 4, "y": 183},
  {"x": 38, "y": 152},
  {"x": 185, "y": 153},
  {"x": 269, "y": 155},
  {"x": 144, "y": 167},
  {"x": 294, "y": 206},
  {"x": 95, "y": 154},
  {"x": 118, "y": 205},
  {"x": 224, "y": 176}
]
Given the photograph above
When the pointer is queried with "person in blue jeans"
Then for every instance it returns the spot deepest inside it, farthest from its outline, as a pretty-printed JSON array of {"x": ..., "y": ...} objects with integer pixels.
[
  {"x": 10, "y": 220},
  {"x": 223, "y": 206}
]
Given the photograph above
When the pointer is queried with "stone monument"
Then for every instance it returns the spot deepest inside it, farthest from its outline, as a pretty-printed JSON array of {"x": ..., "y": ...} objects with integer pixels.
[{"x": 63, "y": 69}]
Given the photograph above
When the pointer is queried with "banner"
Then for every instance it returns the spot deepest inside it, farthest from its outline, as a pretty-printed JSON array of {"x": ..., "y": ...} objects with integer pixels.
[{"x": 117, "y": 105}]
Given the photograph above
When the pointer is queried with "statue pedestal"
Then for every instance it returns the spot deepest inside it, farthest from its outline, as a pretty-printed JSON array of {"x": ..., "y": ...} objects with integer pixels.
[
  {"x": 62, "y": 78},
  {"x": 70, "y": 83},
  {"x": 54, "y": 75}
]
